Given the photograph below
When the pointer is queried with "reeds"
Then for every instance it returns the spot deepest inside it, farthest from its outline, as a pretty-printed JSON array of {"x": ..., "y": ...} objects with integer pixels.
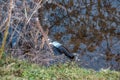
[
  {"x": 6, "y": 29},
  {"x": 25, "y": 26}
]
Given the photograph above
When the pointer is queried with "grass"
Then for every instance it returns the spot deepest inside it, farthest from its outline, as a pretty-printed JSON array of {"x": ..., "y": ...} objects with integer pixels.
[
  {"x": 12, "y": 69},
  {"x": 6, "y": 29}
]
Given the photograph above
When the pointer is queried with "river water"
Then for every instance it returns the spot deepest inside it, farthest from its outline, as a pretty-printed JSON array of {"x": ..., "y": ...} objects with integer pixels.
[{"x": 90, "y": 28}]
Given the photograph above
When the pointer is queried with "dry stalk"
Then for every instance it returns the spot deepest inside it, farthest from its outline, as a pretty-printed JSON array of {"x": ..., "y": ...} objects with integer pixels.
[
  {"x": 7, "y": 28},
  {"x": 36, "y": 38},
  {"x": 43, "y": 40},
  {"x": 1, "y": 26},
  {"x": 25, "y": 9},
  {"x": 44, "y": 35},
  {"x": 36, "y": 8}
]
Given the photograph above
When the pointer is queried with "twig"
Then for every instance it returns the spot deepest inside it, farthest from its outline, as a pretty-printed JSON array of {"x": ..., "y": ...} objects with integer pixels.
[
  {"x": 7, "y": 28},
  {"x": 44, "y": 35},
  {"x": 37, "y": 7},
  {"x": 3, "y": 24},
  {"x": 25, "y": 9}
]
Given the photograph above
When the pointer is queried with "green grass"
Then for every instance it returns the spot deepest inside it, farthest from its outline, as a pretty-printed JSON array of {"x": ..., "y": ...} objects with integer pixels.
[{"x": 12, "y": 69}]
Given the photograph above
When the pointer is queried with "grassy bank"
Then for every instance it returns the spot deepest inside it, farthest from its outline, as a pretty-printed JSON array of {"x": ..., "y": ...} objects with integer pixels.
[{"x": 11, "y": 69}]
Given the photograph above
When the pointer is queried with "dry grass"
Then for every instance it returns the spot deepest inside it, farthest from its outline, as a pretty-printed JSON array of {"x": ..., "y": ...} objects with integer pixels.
[
  {"x": 24, "y": 27},
  {"x": 6, "y": 29}
]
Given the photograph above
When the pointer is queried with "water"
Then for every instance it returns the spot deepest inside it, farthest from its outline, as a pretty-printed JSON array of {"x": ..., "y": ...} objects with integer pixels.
[{"x": 89, "y": 28}]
